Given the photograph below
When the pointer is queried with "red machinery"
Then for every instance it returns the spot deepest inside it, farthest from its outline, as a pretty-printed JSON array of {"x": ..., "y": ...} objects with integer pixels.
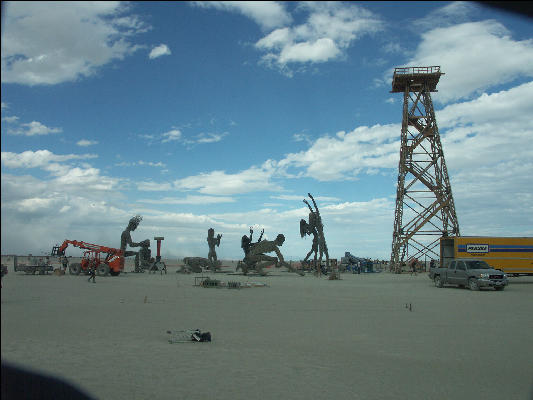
[{"x": 113, "y": 263}]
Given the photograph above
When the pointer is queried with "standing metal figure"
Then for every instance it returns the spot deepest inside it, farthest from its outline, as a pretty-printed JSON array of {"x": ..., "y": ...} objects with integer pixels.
[
  {"x": 212, "y": 242},
  {"x": 315, "y": 227}
]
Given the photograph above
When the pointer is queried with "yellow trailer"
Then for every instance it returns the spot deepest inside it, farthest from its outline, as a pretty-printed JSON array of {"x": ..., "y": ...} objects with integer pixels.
[{"x": 512, "y": 255}]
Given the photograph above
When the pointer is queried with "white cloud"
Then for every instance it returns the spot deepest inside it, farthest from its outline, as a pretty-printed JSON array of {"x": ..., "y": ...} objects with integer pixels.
[
  {"x": 197, "y": 200},
  {"x": 267, "y": 14},
  {"x": 294, "y": 197},
  {"x": 152, "y": 164},
  {"x": 158, "y": 51},
  {"x": 86, "y": 143},
  {"x": 11, "y": 119},
  {"x": 150, "y": 186},
  {"x": 330, "y": 29},
  {"x": 38, "y": 159},
  {"x": 348, "y": 154},
  {"x": 68, "y": 177},
  {"x": 172, "y": 135},
  {"x": 464, "y": 51},
  {"x": 210, "y": 137},
  {"x": 221, "y": 183},
  {"x": 451, "y": 14},
  {"x": 489, "y": 130},
  {"x": 34, "y": 128},
  {"x": 45, "y": 43}
]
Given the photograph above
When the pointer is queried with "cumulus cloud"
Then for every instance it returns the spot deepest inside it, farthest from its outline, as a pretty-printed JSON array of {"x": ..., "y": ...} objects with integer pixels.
[
  {"x": 465, "y": 50},
  {"x": 33, "y": 128},
  {"x": 267, "y": 14},
  {"x": 158, "y": 51},
  {"x": 38, "y": 159},
  {"x": 330, "y": 29},
  {"x": 219, "y": 182},
  {"x": 347, "y": 154},
  {"x": 490, "y": 129},
  {"x": 46, "y": 43},
  {"x": 11, "y": 119}
]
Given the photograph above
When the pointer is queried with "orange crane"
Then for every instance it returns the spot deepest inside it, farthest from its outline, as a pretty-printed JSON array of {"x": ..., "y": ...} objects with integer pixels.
[{"x": 112, "y": 263}]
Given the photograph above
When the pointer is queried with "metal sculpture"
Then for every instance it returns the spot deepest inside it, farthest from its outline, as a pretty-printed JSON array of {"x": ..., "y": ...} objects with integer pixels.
[
  {"x": 256, "y": 259},
  {"x": 246, "y": 242},
  {"x": 315, "y": 228},
  {"x": 214, "y": 264},
  {"x": 125, "y": 240}
]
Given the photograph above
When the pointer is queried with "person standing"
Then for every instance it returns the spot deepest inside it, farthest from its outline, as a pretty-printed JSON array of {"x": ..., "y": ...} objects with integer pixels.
[
  {"x": 92, "y": 273},
  {"x": 64, "y": 262}
]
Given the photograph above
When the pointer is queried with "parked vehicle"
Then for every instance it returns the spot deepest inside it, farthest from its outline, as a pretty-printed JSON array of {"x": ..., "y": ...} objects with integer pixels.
[
  {"x": 512, "y": 255},
  {"x": 34, "y": 264},
  {"x": 472, "y": 273}
]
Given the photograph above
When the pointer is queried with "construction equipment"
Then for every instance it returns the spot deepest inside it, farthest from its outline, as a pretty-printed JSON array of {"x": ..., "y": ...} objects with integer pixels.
[{"x": 113, "y": 263}]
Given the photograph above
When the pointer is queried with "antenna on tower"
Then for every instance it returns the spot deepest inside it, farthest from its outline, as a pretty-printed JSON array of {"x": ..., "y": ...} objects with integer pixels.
[{"x": 425, "y": 210}]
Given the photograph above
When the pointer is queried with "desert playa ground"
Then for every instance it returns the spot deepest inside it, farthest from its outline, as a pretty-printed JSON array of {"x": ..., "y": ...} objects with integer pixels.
[{"x": 296, "y": 338}]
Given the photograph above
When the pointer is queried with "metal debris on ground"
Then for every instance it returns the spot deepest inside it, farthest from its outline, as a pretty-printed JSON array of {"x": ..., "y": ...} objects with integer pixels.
[
  {"x": 206, "y": 282},
  {"x": 189, "y": 335}
]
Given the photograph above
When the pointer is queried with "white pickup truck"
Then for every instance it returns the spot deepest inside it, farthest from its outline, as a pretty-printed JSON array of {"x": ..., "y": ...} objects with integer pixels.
[{"x": 475, "y": 274}]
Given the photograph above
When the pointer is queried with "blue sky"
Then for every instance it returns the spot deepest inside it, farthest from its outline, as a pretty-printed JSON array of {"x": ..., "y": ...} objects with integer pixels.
[{"x": 226, "y": 114}]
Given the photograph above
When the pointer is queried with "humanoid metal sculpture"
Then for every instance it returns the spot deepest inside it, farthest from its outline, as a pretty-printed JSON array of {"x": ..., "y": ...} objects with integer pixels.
[
  {"x": 315, "y": 228},
  {"x": 214, "y": 264},
  {"x": 256, "y": 259},
  {"x": 308, "y": 229},
  {"x": 145, "y": 256},
  {"x": 246, "y": 242},
  {"x": 125, "y": 240}
]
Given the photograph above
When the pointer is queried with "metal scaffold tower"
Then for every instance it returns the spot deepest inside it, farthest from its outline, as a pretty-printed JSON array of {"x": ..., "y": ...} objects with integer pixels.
[{"x": 425, "y": 210}]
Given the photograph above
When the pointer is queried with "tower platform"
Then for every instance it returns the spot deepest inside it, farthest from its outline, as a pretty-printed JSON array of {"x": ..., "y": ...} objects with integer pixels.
[{"x": 415, "y": 77}]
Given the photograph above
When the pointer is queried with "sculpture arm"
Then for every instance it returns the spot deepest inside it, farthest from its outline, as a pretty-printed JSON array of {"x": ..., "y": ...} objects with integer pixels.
[
  {"x": 278, "y": 253},
  {"x": 310, "y": 209},
  {"x": 314, "y": 203}
]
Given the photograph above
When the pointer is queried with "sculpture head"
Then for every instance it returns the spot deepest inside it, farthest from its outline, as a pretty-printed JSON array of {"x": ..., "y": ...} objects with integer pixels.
[
  {"x": 303, "y": 227},
  {"x": 280, "y": 239},
  {"x": 245, "y": 242},
  {"x": 210, "y": 232},
  {"x": 134, "y": 222}
]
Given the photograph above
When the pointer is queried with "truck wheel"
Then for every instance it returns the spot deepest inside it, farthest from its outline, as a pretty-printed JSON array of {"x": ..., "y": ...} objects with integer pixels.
[
  {"x": 438, "y": 281},
  {"x": 74, "y": 269},
  {"x": 103, "y": 269},
  {"x": 472, "y": 284}
]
